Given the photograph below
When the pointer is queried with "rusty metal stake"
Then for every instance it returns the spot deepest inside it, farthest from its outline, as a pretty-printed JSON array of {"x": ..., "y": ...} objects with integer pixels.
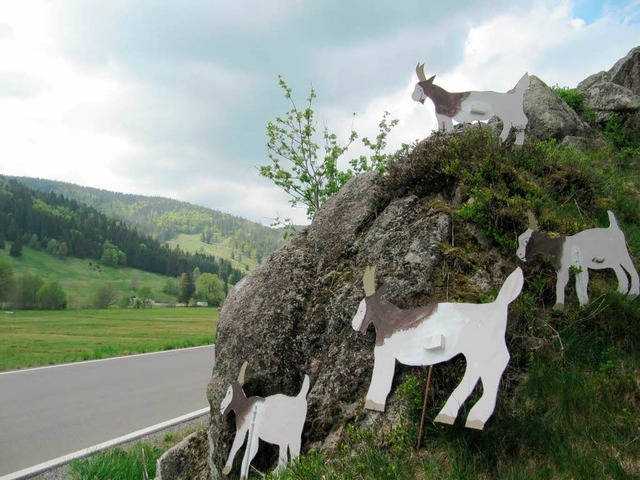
[{"x": 424, "y": 408}]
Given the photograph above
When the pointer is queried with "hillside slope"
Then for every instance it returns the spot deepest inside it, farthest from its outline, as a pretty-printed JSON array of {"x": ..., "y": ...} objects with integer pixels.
[
  {"x": 233, "y": 238},
  {"x": 70, "y": 228},
  {"x": 81, "y": 278}
]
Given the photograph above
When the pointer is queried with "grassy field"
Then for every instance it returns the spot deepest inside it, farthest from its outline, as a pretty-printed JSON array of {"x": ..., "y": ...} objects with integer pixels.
[
  {"x": 192, "y": 243},
  {"x": 80, "y": 278},
  {"x": 33, "y": 338}
]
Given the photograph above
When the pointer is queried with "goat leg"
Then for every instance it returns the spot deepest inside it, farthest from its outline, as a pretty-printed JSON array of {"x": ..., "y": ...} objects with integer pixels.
[{"x": 241, "y": 433}]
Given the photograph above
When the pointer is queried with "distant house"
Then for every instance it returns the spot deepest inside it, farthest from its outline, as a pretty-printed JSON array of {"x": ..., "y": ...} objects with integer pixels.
[{"x": 202, "y": 304}]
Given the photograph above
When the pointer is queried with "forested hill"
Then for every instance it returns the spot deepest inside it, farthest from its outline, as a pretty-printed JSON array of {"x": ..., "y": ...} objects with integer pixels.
[
  {"x": 165, "y": 218},
  {"x": 68, "y": 227}
]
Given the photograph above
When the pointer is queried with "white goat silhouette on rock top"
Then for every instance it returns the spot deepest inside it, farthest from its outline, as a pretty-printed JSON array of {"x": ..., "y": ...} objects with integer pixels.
[
  {"x": 278, "y": 419},
  {"x": 437, "y": 333},
  {"x": 475, "y": 106}
]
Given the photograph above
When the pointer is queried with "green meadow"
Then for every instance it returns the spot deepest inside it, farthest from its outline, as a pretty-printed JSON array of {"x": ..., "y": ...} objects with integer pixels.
[
  {"x": 35, "y": 338},
  {"x": 80, "y": 278},
  {"x": 191, "y": 242}
]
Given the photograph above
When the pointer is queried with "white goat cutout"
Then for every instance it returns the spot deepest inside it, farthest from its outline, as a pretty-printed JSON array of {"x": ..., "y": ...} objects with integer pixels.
[
  {"x": 595, "y": 249},
  {"x": 435, "y": 334},
  {"x": 474, "y": 106},
  {"x": 279, "y": 419}
]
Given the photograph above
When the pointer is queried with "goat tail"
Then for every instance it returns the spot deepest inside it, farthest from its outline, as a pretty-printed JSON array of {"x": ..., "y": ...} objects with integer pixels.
[
  {"x": 522, "y": 84},
  {"x": 305, "y": 387},
  {"x": 613, "y": 223},
  {"x": 511, "y": 287}
]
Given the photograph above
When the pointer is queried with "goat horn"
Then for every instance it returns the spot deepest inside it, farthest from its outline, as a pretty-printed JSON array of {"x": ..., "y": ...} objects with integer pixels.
[
  {"x": 369, "y": 281},
  {"x": 420, "y": 72},
  {"x": 533, "y": 223},
  {"x": 243, "y": 369}
]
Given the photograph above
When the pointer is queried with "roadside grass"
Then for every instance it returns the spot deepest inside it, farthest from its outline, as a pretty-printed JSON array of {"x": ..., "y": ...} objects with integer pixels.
[
  {"x": 36, "y": 338},
  {"x": 125, "y": 462},
  {"x": 191, "y": 243},
  {"x": 80, "y": 278}
]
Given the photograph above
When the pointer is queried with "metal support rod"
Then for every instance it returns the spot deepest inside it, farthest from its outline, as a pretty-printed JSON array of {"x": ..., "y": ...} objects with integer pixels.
[
  {"x": 424, "y": 408},
  {"x": 244, "y": 472}
]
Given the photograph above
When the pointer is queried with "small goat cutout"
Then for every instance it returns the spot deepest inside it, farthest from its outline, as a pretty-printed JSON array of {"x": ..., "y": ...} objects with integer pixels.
[
  {"x": 434, "y": 334},
  {"x": 279, "y": 419},
  {"x": 472, "y": 106},
  {"x": 596, "y": 248}
]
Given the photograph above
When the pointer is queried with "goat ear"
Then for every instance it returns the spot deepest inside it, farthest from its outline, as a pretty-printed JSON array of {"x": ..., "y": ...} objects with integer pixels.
[
  {"x": 420, "y": 72},
  {"x": 533, "y": 223},
  {"x": 431, "y": 79},
  {"x": 243, "y": 369}
]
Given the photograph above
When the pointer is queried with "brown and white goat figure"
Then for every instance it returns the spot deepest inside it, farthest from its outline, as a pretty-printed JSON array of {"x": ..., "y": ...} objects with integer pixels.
[
  {"x": 596, "y": 249},
  {"x": 279, "y": 419},
  {"x": 434, "y": 334},
  {"x": 474, "y": 106}
]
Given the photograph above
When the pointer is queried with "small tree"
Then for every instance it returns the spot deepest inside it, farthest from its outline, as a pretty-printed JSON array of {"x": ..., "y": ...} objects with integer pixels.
[
  {"x": 6, "y": 281},
  {"x": 170, "y": 287},
  {"x": 51, "y": 296},
  {"x": 16, "y": 248},
  {"x": 52, "y": 246},
  {"x": 63, "y": 250},
  {"x": 186, "y": 288},
  {"x": 26, "y": 291},
  {"x": 104, "y": 296},
  {"x": 145, "y": 296},
  {"x": 209, "y": 288},
  {"x": 307, "y": 173},
  {"x": 112, "y": 255}
]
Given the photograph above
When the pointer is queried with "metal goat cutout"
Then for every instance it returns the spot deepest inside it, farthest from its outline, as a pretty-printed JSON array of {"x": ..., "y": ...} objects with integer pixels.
[
  {"x": 436, "y": 333},
  {"x": 277, "y": 419},
  {"x": 596, "y": 248},
  {"x": 474, "y": 106}
]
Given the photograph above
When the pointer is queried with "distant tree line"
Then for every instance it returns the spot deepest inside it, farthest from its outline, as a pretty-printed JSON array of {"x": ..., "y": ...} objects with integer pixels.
[
  {"x": 66, "y": 227},
  {"x": 164, "y": 218},
  {"x": 30, "y": 291}
]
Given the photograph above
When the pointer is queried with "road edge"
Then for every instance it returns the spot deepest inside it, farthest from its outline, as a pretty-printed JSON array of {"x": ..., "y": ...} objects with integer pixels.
[{"x": 56, "y": 462}]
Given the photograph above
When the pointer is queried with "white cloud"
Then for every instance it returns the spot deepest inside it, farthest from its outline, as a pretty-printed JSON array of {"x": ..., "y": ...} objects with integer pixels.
[{"x": 177, "y": 114}]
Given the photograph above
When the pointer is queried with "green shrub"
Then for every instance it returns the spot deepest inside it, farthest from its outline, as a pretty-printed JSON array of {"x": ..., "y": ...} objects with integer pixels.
[{"x": 117, "y": 464}]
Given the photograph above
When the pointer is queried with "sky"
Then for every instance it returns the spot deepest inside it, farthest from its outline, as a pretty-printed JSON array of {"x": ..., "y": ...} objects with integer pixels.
[{"x": 172, "y": 98}]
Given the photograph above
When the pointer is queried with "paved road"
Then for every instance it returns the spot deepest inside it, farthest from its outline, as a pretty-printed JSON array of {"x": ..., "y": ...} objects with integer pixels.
[{"x": 49, "y": 412}]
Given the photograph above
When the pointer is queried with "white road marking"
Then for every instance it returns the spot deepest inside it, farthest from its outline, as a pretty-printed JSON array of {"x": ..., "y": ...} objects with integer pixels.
[
  {"x": 86, "y": 362},
  {"x": 36, "y": 469}
]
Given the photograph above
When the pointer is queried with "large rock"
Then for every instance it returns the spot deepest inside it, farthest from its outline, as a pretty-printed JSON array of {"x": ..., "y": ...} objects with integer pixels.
[
  {"x": 187, "y": 460},
  {"x": 292, "y": 316},
  {"x": 606, "y": 98},
  {"x": 549, "y": 116},
  {"x": 626, "y": 71},
  {"x": 616, "y": 91}
]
